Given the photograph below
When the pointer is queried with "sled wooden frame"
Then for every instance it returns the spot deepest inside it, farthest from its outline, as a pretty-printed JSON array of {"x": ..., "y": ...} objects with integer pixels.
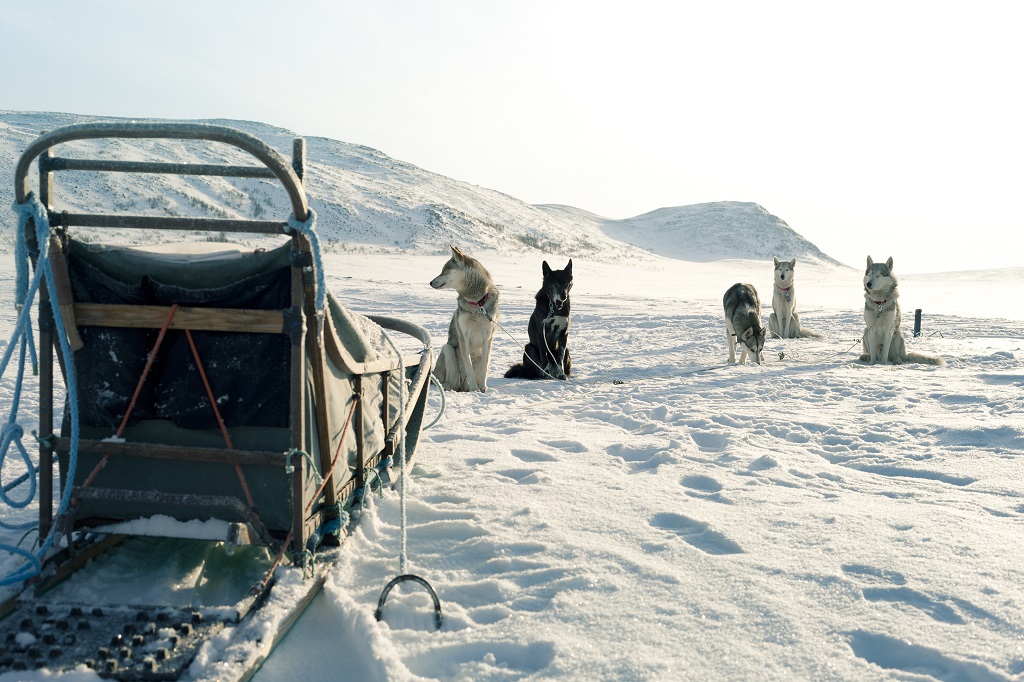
[{"x": 314, "y": 339}]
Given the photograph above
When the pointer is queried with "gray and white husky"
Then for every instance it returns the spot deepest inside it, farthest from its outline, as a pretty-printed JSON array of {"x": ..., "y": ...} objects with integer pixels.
[
  {"x": 464, "y": 362},
  {"x": 883, "y": 337},
  {"x": 784, "y": 322},
  {"x": 743, "y": 322}
]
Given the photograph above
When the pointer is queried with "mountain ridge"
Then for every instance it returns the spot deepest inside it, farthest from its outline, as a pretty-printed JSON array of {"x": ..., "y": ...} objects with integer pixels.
[{"x": 366, "y": 199}]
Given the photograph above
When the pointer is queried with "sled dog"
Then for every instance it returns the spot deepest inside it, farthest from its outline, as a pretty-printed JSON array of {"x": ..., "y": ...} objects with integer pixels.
[
  {"x": 883, "y": 337},
  {"x": 784, "y": 322},
  {"x": 546, "y": 356},
  {"x": 743, "y": 322},
  {"x": 463, "y": 363}
]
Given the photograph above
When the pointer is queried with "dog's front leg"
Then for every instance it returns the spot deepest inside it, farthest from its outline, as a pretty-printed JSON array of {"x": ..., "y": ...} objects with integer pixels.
[
  {"x": 730, "y": 339},
  {"x": 466, "y": 361},
  {"x": 485, "y": 361},
  {"x": 872, "y": 342},
  {"x": 561, "y": 340},
  {"x": 886, "y": 346}
]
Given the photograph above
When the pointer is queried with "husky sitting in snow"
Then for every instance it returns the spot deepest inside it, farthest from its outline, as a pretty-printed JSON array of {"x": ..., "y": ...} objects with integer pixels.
[
  {"x": 883, "y": 337},
  {"x": 784, "y": 322},
  {"x": 464, "y": 362},
  {"x": 546, "y": 356},
  {"x": 743, "y": 322}
]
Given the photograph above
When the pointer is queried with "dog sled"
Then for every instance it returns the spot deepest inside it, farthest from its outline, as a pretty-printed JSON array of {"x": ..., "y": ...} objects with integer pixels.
[{"x": 220, "y": 411}]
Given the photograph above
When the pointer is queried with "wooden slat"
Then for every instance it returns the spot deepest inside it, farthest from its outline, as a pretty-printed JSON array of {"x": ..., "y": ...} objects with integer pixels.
[
  {"x": 196, "y": 319},
  {"x": 176, "y": 452}
]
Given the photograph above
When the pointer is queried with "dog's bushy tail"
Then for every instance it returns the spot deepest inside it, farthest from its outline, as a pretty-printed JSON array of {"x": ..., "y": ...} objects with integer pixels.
[
  {"x": 925, "y": 359},
  {"x": 518, "y": 371},
  {"x": 803, "y": 333},
  {"x": 920, "y": 358}
]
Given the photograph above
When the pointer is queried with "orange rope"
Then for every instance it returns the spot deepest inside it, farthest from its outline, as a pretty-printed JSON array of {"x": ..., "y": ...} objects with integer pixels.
[
  {"x": 220, "y": 419},
  {"x": 138, "y": 389},
  {"x": 209, "y": 390},
  {"x": 149, "y": 366},
  {"x": 327, "y": 477}
]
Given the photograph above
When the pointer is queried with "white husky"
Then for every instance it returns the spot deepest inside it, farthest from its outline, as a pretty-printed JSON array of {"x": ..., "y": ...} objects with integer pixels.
[
  {"x": 784, "y": 322},
  {"x": 883, "y": 337},
  {"x": 464, "y": 362}
]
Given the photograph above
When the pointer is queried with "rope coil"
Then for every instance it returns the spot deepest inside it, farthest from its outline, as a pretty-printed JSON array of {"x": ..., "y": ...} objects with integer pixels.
[{"x": 25, "y": 292}]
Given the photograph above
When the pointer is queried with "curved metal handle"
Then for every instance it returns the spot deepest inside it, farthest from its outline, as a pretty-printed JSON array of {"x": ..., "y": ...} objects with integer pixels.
[
  {"x": 410, "y": 578},
  {"x": 269, "y": 156}
]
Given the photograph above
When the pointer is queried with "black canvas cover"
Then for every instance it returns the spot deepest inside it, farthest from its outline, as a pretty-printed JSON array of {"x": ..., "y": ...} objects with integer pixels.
[{"x": 248, "y": 373}]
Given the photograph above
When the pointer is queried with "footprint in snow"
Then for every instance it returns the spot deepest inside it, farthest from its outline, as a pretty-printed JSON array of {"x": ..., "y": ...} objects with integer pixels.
[
  {"x": 448, "y": 437},
  {"x": 873, "y": 575},
  {"x": 696, "y": 533},
  {"x": 708, "y": 441},
  {"x": 566, "y": 445},
  {"x": 479, "y": 660},
  {"x": 525, "y": 476},
  {"x": 704, "y": 488},
  {"x": 534, "y": 456},
  {"x": 703, "y": 483},
  {"x": 895, "y": 654}
]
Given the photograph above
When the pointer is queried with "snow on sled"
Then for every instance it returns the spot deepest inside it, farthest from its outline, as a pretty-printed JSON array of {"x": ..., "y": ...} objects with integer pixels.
[{"x": 222, "y": 416}]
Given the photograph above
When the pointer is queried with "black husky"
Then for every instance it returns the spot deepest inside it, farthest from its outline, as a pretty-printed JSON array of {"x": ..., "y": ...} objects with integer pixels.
[{"x": 547, "y": 354}]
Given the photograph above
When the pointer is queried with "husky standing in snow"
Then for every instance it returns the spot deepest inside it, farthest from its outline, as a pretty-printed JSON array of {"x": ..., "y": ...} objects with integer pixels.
[
  {"x": 463, "y": 363},
  {"x": 883, "y": 337},
  {"x": 784, "y": 322},
  {"x": 743, "y": 322},
  {"x": 546, "y": 356}
]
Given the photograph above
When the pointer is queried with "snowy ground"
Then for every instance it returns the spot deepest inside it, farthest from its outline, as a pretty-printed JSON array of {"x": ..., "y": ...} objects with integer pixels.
[{"x": 665, "y": 517}]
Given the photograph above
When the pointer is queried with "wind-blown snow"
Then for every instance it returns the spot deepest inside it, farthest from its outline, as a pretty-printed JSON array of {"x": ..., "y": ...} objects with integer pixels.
[{"x": 665, "y": 516}]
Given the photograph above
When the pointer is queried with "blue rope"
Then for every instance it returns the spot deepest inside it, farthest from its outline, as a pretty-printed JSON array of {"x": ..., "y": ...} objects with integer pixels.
[
  {"x": 12, "y": 432},
  {"x": 308, "y": 229}
]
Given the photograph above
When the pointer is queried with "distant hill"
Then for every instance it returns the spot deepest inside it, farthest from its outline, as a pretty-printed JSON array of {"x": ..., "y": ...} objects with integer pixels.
[
  {"x": 715, "y": 231},
  {"x": 365, "y": 199}
]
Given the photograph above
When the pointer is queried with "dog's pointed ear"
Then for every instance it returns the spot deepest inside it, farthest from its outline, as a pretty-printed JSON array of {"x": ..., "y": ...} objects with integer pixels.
[
  {"x": 870, "y": 262},
  {"x": 888, "y": 263},
  {"x": 747, "y": 333},
  {"x": 545, "y": 268},
  {"x": 792, "y": 263},
  {"x": 776, "y": 259},
  {"x": 764, "y": 333},
  {"x": 568, "y": 268},
  {"x": 457, "y": 253}
]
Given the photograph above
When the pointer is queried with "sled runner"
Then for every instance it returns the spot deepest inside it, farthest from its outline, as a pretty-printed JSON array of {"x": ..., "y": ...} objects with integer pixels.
[{"x": 215, "y": 394}]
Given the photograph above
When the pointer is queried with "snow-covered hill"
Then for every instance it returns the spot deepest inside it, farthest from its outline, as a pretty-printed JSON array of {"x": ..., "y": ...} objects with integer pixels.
[{"x": 366, "y": 199}]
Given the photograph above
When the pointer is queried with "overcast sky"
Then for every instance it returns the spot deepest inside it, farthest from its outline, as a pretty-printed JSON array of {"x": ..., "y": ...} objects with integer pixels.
[{"x": 884, "y": 128}]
